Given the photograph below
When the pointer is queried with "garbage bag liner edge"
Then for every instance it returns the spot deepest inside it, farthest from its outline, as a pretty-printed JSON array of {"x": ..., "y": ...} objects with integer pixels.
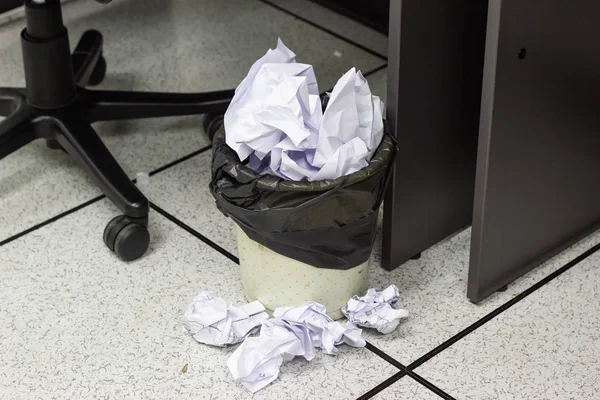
[{"x": 327, "y": 224}]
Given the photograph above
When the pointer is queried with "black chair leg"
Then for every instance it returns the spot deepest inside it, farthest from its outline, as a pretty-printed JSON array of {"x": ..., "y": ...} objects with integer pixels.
[
  {"x": 82, "y": 143},
  {"x": 127, "y": 235},
  {"x": 117, "y": 105},
  {"x": 89, "y": 66},
  {"x": 16, "y": 131}
]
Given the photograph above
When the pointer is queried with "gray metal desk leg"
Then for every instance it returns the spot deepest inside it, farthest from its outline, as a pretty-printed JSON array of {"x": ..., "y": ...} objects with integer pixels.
[{"x": 434, "y": 91}]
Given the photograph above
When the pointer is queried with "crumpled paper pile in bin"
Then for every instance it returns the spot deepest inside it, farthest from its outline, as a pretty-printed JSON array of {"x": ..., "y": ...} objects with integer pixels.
[{"x": 276, "y": 122}]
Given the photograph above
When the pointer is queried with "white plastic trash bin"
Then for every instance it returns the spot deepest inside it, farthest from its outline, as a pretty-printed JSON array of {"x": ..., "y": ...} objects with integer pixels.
[{"x": 279, "y": 281}]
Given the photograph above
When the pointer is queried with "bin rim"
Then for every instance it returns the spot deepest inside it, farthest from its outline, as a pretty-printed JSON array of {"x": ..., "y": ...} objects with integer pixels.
[{"x": 241, "y": 173}]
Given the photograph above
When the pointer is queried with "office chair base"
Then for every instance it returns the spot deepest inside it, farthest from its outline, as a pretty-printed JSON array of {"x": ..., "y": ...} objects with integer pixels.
[
  {"x": 99, "y": 72},
  {"x": 56, "y": 107}
]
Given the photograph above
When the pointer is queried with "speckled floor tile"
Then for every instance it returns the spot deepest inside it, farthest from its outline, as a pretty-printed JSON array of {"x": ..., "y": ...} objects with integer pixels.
[
  {"x": 406, "y": 389},
  {"x": 184, "y": 45},
  {"x": 545, "y": 347},
  {"x": 338, "y": 23},
  {"x": 76, "y": 323}
]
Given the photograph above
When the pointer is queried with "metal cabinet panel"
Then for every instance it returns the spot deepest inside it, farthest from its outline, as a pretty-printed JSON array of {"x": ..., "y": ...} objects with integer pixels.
[
  {"x": 435, "y": 71},
  {"x": 538, "y": 164}
]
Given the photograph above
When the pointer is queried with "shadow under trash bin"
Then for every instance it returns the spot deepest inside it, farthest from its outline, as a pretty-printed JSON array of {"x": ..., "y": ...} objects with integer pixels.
[{"x": 302, "y": 241}]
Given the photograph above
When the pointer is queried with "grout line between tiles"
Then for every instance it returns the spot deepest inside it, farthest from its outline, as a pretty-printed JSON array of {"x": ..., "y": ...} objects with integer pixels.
[
  {"x": 410, "y": 373},
  {"x": 195, "y": 233},
  {"x": 180, "y": 160},
  {"x": 420, "y": 361},
  {"x": 418, "y": 378},
  {"x": 51, "y": 220},
  {"x": 329, "y": 31},
  {"x": 385, "y": 356},
  {"x": 374, "y": 71},
  {"x": 96, "y": 199},
  {"x": 383, "y": 385}
]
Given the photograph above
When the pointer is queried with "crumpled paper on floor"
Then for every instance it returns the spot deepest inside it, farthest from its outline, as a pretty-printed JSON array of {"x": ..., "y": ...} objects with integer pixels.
[
  {"x": 213, "y": 321},
  {"x": 294, "y": 331},
  {"x": 325, "y": 332},
  {"x": 377, "y": 310},
  {"x": 275, "y": 121}
]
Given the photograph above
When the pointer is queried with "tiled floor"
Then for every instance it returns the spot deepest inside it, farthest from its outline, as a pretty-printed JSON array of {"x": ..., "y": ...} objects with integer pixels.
[{"x": 75, "y": 323}]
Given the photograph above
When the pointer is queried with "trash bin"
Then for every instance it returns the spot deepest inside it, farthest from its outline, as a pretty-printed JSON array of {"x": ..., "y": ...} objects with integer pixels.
[{"x": 302, "y": 241}]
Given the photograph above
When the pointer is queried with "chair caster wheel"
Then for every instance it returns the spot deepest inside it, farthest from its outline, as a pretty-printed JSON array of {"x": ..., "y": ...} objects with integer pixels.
[
  {"x": 129, "y": 240},
  {"x": 212, "y": 123},
  {"x": 98, "y": 73}
]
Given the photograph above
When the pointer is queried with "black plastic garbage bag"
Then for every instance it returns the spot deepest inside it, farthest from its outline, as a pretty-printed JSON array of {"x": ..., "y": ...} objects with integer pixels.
[{"x": 327, "y": 224}]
